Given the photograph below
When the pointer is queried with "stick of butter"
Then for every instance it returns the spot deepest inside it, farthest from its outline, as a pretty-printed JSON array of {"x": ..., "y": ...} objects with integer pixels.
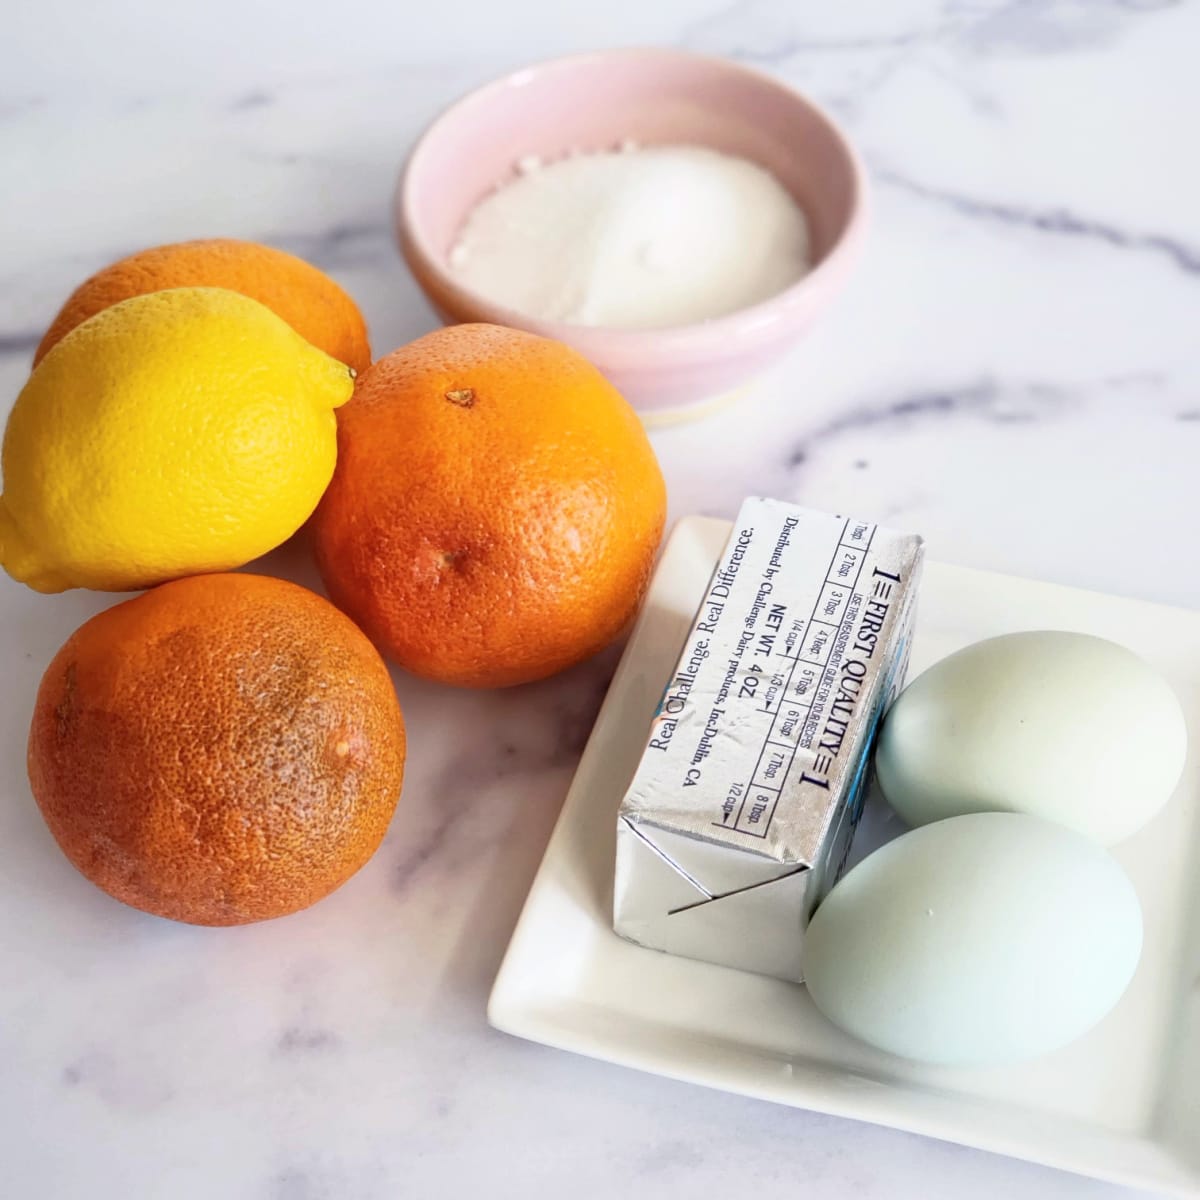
[{"x": 741, "y": 811}]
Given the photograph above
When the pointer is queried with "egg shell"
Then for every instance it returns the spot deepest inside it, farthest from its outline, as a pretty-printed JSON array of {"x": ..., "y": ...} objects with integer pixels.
[
  {"x": 1064, "y": 726},
  {"x": 981, "y": 939}
]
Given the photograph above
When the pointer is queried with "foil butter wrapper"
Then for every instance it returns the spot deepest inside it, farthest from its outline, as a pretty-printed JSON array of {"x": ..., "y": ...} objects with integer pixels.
[{"x": 743, "y": 806}]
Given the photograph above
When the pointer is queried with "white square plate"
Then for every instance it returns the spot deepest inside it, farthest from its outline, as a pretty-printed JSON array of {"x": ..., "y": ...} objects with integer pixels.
[{"x": 1123, "y": 1103}]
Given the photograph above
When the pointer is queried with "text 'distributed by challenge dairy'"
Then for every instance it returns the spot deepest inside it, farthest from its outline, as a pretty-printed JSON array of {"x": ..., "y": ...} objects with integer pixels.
[{"x": 754, "y": 762}]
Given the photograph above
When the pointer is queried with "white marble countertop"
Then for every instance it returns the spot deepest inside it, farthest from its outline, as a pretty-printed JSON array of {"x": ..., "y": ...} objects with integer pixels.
[{"x": 1015, "y": 372}]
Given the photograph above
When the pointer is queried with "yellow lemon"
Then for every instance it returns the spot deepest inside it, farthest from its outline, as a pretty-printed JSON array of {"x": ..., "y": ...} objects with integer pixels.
[{"x": 174, "y": 433}]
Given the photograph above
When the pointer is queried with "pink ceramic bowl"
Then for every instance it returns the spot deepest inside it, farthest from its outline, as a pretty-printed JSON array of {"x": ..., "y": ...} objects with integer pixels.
[{"x": 594, "y": 101}]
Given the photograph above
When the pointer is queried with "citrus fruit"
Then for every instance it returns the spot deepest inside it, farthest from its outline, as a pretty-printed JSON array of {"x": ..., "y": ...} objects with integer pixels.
[
  {"x": 182, "y": 431},
  {"x": 496, "y": 507},
  {"x": 220, "y": 750},
  {"x": 307, "y": 299}
]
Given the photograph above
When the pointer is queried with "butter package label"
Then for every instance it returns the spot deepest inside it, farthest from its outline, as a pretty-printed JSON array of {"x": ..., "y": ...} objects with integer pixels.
[{"x": 740, "y": 814}]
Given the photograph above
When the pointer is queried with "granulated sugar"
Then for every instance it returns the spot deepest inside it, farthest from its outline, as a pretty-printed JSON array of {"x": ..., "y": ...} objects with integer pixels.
[{"x": 635, "y": 238}]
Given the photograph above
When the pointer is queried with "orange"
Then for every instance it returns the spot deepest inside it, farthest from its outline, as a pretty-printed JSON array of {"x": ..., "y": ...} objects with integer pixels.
[
  {"x": 223, "y": 749},
  {"x": 307, "y": 299},
  {"x": 495, "y": 510}
]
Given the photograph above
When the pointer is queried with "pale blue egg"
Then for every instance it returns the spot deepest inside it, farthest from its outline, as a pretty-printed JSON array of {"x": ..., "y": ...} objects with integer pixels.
[
  {"x": 979, "y": 939},
  {"x": 1064, "y": 726}
]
